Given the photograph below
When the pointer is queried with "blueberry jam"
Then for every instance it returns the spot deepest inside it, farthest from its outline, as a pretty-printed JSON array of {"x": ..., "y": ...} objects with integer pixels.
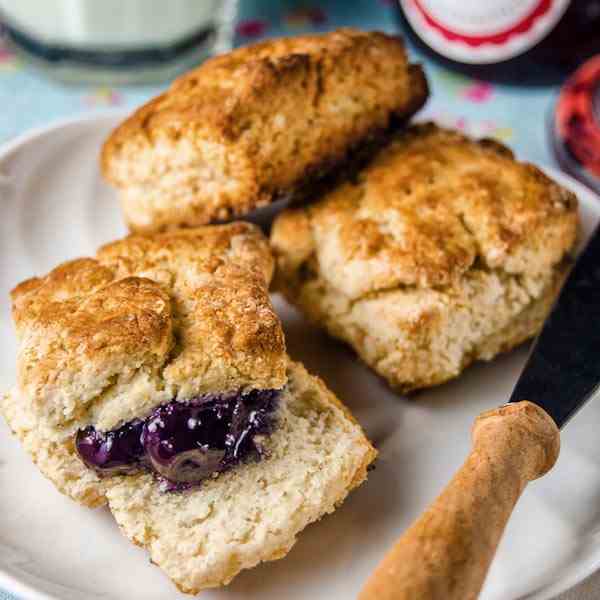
[{"x": 184, "y": 442}]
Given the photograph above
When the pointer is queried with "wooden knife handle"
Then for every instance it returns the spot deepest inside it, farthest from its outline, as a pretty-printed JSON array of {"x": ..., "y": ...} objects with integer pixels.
[{"x": 446, "y": 553}]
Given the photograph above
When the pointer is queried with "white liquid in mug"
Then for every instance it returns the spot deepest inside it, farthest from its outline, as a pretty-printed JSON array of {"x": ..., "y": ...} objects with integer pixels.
[
  {"x": 109, "y": 23},
  {"x": 116, "y": 25}
]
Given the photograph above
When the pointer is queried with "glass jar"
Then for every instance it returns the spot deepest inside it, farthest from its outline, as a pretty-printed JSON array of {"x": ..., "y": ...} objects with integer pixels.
[
  {"x": 576, "y": 124},
  {"x": 521, "y": 41},
  {"x": 117, "y": 41}
]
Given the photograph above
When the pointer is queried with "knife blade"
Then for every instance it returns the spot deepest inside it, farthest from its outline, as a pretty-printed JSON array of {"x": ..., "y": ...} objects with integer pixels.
[
  {"x": 446, "y": 553},
  {"x": 563, "y": 369}
]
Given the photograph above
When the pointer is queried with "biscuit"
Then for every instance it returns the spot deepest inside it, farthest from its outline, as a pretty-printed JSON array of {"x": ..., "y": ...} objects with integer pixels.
[
  {"x": 56, "y": 459},
  {"x": 204, "y": 537},
  {"x": 151, "y": 318},
  {"x": 253, "y": 514},
  {"x": 104, "y": 340},
  {"x": 180, "y": 321},
  {"x": 440, "y": 252},
  {"x": 258, "y": 124}
]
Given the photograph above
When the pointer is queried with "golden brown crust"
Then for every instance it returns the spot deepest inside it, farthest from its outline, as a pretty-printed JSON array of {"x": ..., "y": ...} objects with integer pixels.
[
  {"x": 431, "y": 257},
  {"x": 251, "y": 125},
  {"x": 175, "y": 314},
  {"x": 429, "y": 205}
]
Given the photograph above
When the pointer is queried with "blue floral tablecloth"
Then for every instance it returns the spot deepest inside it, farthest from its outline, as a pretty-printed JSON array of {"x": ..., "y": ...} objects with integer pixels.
[{"x": 515, "y": 115}]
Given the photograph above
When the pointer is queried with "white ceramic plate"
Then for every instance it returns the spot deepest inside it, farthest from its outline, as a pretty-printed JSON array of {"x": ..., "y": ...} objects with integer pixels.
[{"x": 54, "y": 206}]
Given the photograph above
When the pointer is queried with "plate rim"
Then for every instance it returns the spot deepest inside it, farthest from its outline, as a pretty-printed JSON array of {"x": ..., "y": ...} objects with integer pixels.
[
  {"x": 11, "y": 144},
  {"x": 12, "y": 584}
]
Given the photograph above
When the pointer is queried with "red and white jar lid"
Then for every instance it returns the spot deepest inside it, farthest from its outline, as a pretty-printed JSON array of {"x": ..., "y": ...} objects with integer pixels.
[{"x": 483, "y": 31}]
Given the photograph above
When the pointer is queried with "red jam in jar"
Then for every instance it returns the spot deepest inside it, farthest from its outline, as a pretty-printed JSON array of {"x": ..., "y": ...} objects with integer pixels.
[{"x": 576, "y": 124}]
